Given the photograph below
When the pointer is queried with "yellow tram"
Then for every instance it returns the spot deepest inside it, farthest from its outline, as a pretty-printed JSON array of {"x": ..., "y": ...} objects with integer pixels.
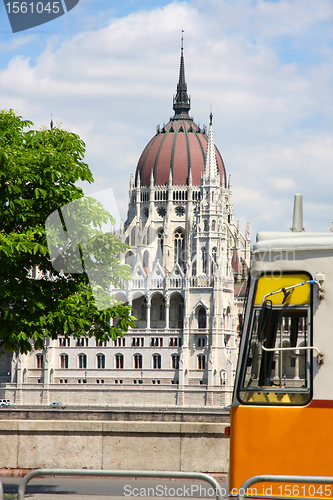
[{"x": 282, "y": 410}]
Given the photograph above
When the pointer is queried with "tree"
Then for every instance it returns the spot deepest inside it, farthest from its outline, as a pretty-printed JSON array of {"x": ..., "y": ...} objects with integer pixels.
[{"x": 38, "y": 171}]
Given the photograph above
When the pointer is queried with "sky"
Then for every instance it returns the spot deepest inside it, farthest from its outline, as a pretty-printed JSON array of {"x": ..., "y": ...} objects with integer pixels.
[{"x": 108, "y": 70}]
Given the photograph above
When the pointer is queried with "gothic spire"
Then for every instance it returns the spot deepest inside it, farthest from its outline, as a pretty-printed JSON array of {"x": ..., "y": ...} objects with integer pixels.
[
  {"x": 182, "y": 102},
  {"x": 211, "y": 168}
]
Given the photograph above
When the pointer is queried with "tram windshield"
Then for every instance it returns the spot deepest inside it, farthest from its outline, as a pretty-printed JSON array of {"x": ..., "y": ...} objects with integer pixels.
[{"x": 276, "y": 361}]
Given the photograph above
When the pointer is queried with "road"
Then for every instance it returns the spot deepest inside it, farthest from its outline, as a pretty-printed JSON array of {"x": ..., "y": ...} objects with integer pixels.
[{"x": 64, "y": 488}]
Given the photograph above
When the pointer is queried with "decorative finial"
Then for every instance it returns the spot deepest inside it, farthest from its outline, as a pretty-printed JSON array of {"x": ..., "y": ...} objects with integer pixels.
[
  {"x": 51, "y": 123},
  {"x": 181, "y": 102},
  {"x": 211, "y": 117}
]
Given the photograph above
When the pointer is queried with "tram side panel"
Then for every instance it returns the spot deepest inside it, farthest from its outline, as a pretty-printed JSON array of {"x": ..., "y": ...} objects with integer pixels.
[{"x": 282, "y": 407}]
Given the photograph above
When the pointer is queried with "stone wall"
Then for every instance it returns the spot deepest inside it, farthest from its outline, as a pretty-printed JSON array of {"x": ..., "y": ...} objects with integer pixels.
[
  {"x": 115, "y": 396},
  {"x": 175, "y": 446}
]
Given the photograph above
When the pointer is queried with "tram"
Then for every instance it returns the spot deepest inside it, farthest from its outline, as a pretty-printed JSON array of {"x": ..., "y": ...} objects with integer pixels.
[{"x": 281, "y": 419}]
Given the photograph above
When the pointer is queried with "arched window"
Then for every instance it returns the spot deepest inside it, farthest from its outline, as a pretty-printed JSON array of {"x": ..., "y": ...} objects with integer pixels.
[
  {"x": 156, "y": 361},
  {"x": 213, "y": 225},
  {"x": 214, "y": 254},
  {"x": 100, "y": 361},
  {"x": 179, "y": 247},
  {"x": 201, "y": 361},
  {"x": 223, "y": 377},
  {"x": 205, "y": 225},
  {"x": 137, "y": 361},
  {"x": 204, "y": 260},
  {"x": 82, "y": 361},
  {"x": 146, "y": 259},
  {"x": 129, "y": 259},
  {"x": 202, "y": 318},
  {"x": 39, "y": 360},
  {"x": 160, "y": 235},
  {"x": 175, "y": 361},
  {"x": 157, "y": 311},
  {"x": 119, "y": 361},
  {"x": 63, "y": 360},
  {"x": 133, "y": 237}
]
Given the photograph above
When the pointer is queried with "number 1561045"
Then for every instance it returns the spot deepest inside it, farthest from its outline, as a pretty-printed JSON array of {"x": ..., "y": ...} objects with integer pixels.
[{"x": 32, "y": 7}]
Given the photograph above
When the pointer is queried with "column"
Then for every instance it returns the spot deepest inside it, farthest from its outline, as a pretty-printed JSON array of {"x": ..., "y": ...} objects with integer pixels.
[
  {"x": 148, "y": 313},
  {"x": 167, "y": 313}
]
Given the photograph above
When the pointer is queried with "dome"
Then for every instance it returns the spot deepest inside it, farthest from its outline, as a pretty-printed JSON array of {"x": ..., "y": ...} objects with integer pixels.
[{"x": 180, "y": 146}]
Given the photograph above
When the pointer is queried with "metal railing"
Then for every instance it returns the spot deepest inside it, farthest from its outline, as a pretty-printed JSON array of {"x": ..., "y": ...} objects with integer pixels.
[
  {"x": 116, "y": 473},
  {"x": 267, "y": 478}
]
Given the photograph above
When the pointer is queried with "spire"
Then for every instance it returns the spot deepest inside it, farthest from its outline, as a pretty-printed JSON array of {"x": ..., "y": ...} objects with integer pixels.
[
  {"x": 182, "y": 102},
  {"x": 170, "y": 178},
  {"x": 247, "y": 232},
  {"x": 211, "y": 168},
  {"x": 190, "y": 180}
]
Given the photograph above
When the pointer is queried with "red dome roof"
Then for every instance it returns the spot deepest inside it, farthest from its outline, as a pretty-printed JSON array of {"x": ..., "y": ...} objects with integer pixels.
[{"x": 179, "y": 145}]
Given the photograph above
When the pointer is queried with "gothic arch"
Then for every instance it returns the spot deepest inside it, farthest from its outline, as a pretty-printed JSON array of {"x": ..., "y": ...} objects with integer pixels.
[
  {"x": 129, "y": 259},
  {"x": 139, "y": 310},
  {"x": 204, "y": 259},
  {"x": 202, "y": 318},
  {"x": 160, "y": 239},
  {"x": 157, "y": 311},
  {"x": 179, "y": 246},
  {"x": 145, "y": 260},
  {"x": 176, "y": 310},
  {"x": 133, "y": 237},
  {"x": 121, "y": 297}
]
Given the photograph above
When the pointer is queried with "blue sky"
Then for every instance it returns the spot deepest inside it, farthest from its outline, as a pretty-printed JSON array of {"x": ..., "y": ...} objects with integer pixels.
[{"x": 107, "y": 71}]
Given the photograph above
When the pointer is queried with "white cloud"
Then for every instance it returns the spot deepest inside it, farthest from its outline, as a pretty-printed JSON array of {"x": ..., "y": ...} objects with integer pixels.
[{"x": 113, "y": 86}]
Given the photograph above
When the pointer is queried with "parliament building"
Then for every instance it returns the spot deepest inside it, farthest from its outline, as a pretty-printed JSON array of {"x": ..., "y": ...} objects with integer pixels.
[{"x": 189, "y": 263}]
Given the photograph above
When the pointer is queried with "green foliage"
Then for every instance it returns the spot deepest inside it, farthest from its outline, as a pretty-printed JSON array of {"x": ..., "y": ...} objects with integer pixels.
[{"x": 38, "y": 171}]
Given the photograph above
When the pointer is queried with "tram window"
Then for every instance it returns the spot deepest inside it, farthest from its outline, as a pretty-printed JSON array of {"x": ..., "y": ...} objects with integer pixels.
[
  {"x": 284, "y": 374},
  {"x": 274, "y": 376}
]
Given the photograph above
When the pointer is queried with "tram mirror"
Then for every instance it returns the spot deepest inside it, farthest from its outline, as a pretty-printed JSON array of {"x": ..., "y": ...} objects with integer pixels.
[{"x": 264, "y": 320}]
